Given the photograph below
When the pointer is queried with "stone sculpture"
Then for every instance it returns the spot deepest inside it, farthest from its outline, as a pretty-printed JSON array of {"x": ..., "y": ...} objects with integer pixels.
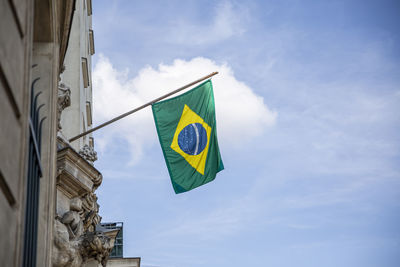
[
  {"x": 63, "y": 101},
  {"x": 76, "y": 241},
  {"x": 96, "y": 245},
  {"x": 72, "y": 219},
  {"x": 87, "y": 152}
]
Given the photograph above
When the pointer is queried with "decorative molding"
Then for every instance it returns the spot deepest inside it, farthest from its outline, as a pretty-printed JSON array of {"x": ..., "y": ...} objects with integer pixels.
[
  {"x": 87, "y": 152},
  {"x": 90, "y": 212},
  {"x": 96, "y": 245},
  {"x": 64, "y": 100},
  {"x": 77, "y": 242},
  {"x": 72, "y": 219},
  {"x": 76, "y": 176}
]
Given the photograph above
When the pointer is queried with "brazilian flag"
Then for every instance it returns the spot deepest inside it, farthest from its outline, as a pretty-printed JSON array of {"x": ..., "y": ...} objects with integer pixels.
[{"x": 187, "y": 131}]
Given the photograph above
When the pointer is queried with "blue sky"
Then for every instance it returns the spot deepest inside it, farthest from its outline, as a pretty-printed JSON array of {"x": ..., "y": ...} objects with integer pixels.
[{"x": 308, "y": 116}]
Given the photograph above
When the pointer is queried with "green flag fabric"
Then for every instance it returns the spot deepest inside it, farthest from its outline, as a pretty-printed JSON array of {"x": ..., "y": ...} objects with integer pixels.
[{"x": 187, "y": 132}]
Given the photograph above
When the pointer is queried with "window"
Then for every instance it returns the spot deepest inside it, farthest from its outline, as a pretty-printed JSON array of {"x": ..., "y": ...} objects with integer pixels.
[
  {"x": 88, "y": 113},
  {"x": 91, "y": 42},
  {"x": 33, "y": 180},
  {"x": 117, "y": 251},
  {"x": 85, "y": 72},
  {"x": 83, "y": 128},
  {"x": 91, "y": 142},
  {"x": 89, "y": 7}
]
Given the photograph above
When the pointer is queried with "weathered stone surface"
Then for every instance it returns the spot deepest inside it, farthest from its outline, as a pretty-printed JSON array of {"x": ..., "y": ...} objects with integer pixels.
[
  {"x": 91, "y": 210},
  {"x": 72, "y": 219},
  {"x": 76, "y": 177},
  {"x": 65, "y": 252},
  {"x": 76, "y": 241},
  {"x": 96, "y": 245}
]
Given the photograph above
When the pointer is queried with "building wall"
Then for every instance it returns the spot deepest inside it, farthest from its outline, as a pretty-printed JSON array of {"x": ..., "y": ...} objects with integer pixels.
[
  {"x": 75, "y": 119},
  {"x": 123, "y": 262},
  {"x": 36, "y": 38},
  {"x": 44, "y": 55},
  {"x": 30, "y": 33},
  {"x": 15, "y": 46}
]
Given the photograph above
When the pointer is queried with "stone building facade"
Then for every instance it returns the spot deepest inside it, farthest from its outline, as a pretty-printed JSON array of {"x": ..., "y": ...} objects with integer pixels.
[{"x": 49, "y": 214}]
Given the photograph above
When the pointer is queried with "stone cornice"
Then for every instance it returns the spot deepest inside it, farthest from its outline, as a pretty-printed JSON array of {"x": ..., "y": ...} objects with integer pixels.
[{"x": 76, "y": 176}]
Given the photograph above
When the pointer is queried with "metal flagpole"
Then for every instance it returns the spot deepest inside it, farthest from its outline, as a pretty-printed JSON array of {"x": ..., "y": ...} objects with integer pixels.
[{"x": 141, "y": 107}]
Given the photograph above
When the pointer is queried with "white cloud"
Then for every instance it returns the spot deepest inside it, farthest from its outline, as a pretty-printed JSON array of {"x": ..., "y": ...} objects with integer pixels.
[
  {"x": 241, "y": 114},
  {"x": 229, "y": 21}
]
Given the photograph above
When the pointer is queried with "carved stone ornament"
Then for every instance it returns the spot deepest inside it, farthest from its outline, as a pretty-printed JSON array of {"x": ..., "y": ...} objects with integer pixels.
[
  {"x": 87, "y": 152},
  {"x": 96, "y": 245},
  {"x": 77, "y": 242},
  {"x": 64, "y": 100},
  {"x": 66, "y": 252},
  {"x": 73, "y": 253},
  {"x": 90, "y": 209},
  {"x": 72, "y": 219}
]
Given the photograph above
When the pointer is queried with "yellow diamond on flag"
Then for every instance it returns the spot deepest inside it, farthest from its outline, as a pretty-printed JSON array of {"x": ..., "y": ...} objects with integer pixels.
[{"x": 192, "y": 138}]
